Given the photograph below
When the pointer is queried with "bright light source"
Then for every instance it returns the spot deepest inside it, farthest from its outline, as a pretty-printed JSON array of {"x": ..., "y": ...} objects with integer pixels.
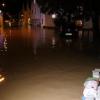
[
  {"x": 79, "y": 22},
  {"x": 3, "y": 4},
  {"x": 0, "y": 11},
  {"x": 9, "y": 24},
  {"x": 68, "y": 34},
  {"x": 22, "y": 15},
  {"x": 29, "y": 20},
  {"x": 1, "y": 78},
  {"x": 54, "y": 16}
]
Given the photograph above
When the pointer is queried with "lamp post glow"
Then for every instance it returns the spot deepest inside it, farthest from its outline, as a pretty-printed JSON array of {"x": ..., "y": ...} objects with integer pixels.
[
  {"x": 0, "y": 11},
  {"x": 1, "y": 78},
  {"x": 3, "y": 4},
  {"x": 54, "y": 16}
]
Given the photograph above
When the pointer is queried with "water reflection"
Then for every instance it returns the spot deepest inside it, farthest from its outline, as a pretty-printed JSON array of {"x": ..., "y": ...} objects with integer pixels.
[
  {"x": 47, "y": 38},
  {"x": 80, "y": 34},
  {"x": 53, "y": 42},
  {"x": 3, "y": 42},
  {"x": 86, "y": 35},
  {"x": 48, "y": 72},
  {"x": 42, "y": 38},
  {"x": 33, "y": 38},
  {"x": 69, "y": 41},
  {"x": 85, "y": 39}
]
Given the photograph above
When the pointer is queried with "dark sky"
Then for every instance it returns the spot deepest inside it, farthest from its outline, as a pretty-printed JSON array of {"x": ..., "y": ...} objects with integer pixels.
[{"x": 13, "y": 6}]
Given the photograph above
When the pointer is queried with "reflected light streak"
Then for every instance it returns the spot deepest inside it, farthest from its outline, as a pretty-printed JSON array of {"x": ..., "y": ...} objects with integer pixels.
[
  {"x": 3, "y": 43},
  {"x": 53, "y": 41},
  {"x": 1, "y": 78},
  {"x": 68, "y": 41},
  {"x": 43, "y": 36},
  {"x": 80, "y": 34}
]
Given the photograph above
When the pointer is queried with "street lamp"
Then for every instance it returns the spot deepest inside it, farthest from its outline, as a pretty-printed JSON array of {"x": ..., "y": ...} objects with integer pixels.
[
  {"x": 0, "y": 11},
  {"x": 54, "y": 16},
  {"x": 3, "y": 4}
]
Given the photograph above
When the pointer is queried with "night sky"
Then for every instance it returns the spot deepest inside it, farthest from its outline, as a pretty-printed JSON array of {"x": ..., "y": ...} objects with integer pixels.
[{"x": 13, "y": 7}]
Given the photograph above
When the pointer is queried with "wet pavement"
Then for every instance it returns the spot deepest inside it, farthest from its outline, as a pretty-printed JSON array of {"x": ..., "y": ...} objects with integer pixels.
[{"x": 40, "y": 65}]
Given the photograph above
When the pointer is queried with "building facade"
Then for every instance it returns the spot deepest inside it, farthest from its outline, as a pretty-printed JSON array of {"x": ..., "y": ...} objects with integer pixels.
[
  {"x": 38, "y": 18},
  {"x": 33, "y": 16}
]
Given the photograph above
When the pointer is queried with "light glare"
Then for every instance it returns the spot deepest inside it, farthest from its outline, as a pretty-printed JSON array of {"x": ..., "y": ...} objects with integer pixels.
[
  {"x": 0, "y": 11},
  {"x": 53, "y": 16},
  {"x": 1, "y": 78}
]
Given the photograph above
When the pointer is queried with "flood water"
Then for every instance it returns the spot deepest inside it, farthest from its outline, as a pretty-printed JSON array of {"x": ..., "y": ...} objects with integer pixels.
[{"x": 40, "y": 65}]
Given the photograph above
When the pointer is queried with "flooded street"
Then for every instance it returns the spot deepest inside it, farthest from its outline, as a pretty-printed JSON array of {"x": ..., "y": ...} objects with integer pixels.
[{"x": 40, "y": 65}]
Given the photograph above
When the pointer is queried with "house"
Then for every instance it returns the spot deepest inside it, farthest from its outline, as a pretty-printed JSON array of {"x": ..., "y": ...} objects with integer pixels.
[
  {"x": 48, "y": 21},
  {"x": 36, "y": 15},
  {"x": 33, "y": 16},
  {"x": 38, "y": 18}
]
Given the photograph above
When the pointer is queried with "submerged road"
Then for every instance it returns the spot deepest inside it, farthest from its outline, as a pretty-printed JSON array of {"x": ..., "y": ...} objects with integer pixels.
[{"x": 39, "y": 65}]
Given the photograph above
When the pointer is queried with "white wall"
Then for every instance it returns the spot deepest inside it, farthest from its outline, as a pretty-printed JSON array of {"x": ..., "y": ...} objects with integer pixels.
[
  {"x": 48, "y": 21},
  {"x": 37, "y": 17}
]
